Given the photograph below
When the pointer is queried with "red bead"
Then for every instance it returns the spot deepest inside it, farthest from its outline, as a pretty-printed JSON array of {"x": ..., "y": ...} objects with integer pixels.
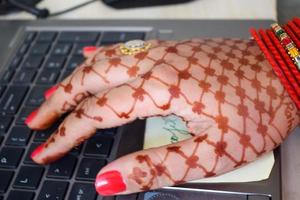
[{"x": 286, "y": 41}]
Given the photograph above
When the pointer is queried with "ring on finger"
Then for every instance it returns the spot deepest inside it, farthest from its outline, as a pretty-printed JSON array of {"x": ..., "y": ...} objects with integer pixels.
[{"x": 134, "y": 46}]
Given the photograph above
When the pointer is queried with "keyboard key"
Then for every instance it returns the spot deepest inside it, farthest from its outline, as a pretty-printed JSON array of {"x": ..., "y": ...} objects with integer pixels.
[
  {"x": 84, "y": 191},
  {"x": 53, "y": 190},
  {"x": 5, "y": 122},
  {"x": 22, "y": 50},
  {"x": 18, "y": 195},
  {"x": 39, "y": 49},
  {"x": 55, "y": 62},
  {"x": 61, "y": 49},
  {"x": 33, "y": 62},
  {"x": 109, "y": 131},
  {"x": 24, "y": 114},
  {"x": 12, "y": 99},
  {"x": 30, "y": 36},
  {"x": 36, "y": 96},
  {"x": 28, "y": 177},
  {"x": 98, "y": 146},
  {"x": 48, "y": 77},
  {"x": 87, "y": 37},
  {"x": 116, "y": 37},
  {"x": 10, "y": 157},
  {"x": 46, "y": 37},
  {"x": 2, "y": 88},
  {"x": 15, "y": 62},
  {"x": 19, "y": 136},
  {"x": 113, "y": 37},
  {"x": 74, "y": 62},
  {"x": 25, "y": 76},
  {"x": 6, "y": 177},
  {"x": 43, "y": 135},
  {"x": 76, "y": 150},
  {"x": 63, "y": 168},
  {"x": 66, "y": 74},
  {"x": 6, "y": 76},
  {"x": 28, "y": 159},
  {"x": 134, "y": 36},
  {"x": 78, "y": 37},
  {"x": 78, "y": 49},
  {"x": 89, "y": 168}
]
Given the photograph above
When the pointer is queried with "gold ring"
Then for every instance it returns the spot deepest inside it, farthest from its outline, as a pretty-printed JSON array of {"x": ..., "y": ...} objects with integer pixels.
[{"x": 134, "y": 46}]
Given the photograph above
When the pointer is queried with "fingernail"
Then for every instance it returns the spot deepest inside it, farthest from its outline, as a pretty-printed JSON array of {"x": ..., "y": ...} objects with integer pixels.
[
  {"x": 110, "y": 183},
  {"x": 50, "y": 91},
  {"x": 30, "y": 117},
  {"x": 89, "y": 49},
  {"x": 37, "y": 150}
]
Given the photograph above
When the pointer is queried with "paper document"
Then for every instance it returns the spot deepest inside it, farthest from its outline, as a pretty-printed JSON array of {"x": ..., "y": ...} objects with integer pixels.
[{"x": 166, "y": 130}]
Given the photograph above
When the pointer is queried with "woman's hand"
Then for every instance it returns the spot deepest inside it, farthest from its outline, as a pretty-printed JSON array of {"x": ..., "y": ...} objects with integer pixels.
[{"x": 224, "y": 89}]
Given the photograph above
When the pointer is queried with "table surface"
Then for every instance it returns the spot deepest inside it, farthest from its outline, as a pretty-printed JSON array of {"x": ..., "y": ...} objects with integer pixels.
[{"x": 198, "y": 9}]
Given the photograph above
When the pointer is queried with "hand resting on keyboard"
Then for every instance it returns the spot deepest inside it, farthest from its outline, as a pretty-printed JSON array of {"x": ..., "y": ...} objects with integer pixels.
[{"x": 225, "y": 90}]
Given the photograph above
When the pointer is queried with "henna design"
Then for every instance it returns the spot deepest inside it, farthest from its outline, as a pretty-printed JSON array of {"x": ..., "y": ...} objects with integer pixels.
[
  {"x": 229, "y": 82},
  {"x": 137, "y": 175},
  {"x": 266, "y": 108},
  {"x": 75, "y": 100},
  {"x": 61, "y": 131},
  {"x": 290, "y": 108},
  {"x": 79, "y": 113}
]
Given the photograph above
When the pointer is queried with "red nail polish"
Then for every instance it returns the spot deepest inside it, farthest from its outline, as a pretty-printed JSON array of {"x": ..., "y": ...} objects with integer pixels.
[
  {"x": 30, "y": 117},
  {"x": 50, "y": 91},
  {"x": 89, "y": 49},
  {"x": 37, "y": 150},
  {"x": 110, "y": 183}
]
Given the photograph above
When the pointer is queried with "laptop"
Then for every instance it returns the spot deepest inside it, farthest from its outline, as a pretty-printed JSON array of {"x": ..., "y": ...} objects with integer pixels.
[{"x": 34, "y": 55}]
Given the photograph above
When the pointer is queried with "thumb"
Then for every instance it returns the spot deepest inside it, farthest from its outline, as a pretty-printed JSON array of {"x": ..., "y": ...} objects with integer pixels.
[{"x": 195, "y": 158}]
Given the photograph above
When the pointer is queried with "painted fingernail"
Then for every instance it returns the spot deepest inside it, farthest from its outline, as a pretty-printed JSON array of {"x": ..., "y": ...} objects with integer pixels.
[
  {"x": 89, "y": 49},
  {"x": 37, "y": 150},
  {"x": 110, "y": 183},
  {"x": 50, "y": 91},
  {"x": 31, "y": 117}
]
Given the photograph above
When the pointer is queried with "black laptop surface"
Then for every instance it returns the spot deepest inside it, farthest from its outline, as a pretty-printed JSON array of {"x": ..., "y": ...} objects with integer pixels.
[{"x": 34, "y": 55}]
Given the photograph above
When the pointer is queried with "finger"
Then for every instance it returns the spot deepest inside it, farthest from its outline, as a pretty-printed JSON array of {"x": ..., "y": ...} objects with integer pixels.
[
  {"x": 94, "y": 53},
  {"x": 89, "y": 51},
  {"x": 109, "y": 108},
  {"x": 193, "y": 159},
  {"x": 154, "y": 168},
  {"x": 87, "y": 80}
]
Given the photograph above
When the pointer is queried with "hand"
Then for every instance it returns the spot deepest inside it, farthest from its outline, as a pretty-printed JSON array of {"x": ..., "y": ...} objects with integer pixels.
[{"x": 224, "y": 89}]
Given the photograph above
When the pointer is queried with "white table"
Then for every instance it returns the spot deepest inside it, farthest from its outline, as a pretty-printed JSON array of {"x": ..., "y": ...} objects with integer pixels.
[{"x": 198, "y": 9}]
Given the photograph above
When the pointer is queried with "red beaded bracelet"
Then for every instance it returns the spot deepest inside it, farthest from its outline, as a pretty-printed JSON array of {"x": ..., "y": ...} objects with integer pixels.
[
  {"x": 273, "y": 43},
  {"x": 288, "y": 45}
]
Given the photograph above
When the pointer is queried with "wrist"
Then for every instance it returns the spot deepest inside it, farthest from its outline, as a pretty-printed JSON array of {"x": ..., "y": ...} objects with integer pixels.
[{"x": 282, "y": 53}]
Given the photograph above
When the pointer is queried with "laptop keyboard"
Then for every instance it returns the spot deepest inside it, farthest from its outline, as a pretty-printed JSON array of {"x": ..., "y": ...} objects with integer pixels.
[{"x": 42, "y": 60}]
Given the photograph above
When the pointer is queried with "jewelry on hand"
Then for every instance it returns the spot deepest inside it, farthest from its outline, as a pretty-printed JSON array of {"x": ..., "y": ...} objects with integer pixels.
[{"x": 134, "y": 46}]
